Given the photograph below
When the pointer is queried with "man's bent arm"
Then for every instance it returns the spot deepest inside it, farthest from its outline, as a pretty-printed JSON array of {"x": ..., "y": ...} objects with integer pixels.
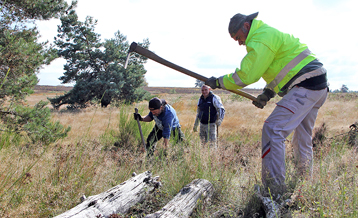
[{"x": 147, "y": 119}]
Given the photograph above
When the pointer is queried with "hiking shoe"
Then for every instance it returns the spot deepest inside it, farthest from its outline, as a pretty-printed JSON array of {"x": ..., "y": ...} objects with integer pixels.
[{"x": 271, "y": 207}]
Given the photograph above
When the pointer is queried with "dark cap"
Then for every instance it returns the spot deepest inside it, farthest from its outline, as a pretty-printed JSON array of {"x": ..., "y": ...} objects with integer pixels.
[
  {"x": 238, "y": 20},
  {"x": 155, "y": 103}
]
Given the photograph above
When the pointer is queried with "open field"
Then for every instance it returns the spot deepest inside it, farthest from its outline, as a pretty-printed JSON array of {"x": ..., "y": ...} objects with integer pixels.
[{"x": 103, "y": 149}]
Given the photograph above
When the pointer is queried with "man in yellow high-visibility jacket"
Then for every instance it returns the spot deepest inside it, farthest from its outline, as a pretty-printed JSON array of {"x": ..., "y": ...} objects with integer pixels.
[{"x": 293, "y": 72}]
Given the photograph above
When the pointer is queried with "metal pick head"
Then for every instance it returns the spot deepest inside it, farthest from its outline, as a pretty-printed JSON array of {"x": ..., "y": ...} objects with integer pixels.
[
  {"x": 126, "y": 64},
  {"x": 132, "y": 48}
]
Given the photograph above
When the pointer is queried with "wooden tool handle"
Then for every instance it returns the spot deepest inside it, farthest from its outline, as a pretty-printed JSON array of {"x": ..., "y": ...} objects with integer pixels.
[
  {"x": 140, "y": 128},
  {"x": 145, "y": 52}
]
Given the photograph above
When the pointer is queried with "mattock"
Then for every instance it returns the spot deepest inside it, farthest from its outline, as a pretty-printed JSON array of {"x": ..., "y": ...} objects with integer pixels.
[
  {"x": 145, "y": 52},
  {"x": 140, "y": 129}
]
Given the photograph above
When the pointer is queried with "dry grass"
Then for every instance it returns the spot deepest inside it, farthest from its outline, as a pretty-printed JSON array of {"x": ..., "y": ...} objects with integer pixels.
[
  {"x": 36, "y": 97},
  {"x": 87, "y": 162},
  {"x": 89, "y": 123}
]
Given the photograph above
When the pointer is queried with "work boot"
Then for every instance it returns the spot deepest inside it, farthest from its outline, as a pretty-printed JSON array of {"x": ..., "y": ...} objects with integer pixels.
[{"x": 271, "y": 207}]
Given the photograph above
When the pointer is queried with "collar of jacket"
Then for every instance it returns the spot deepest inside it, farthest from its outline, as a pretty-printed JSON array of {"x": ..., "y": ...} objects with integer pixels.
[
  {"x": 254, "y": 26},
  {"x": 162, "y": 114},
  {"x": 210, "y": 94}
]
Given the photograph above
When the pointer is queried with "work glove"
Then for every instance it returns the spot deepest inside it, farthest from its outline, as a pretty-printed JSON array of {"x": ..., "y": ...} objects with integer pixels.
[
  {"x": 218, "y": 122},
  {"x": 138, "y": 116},
  {"x": 195, "y": 128},
  {"x": 263, "y": 98},
  {"x": 213, "y": 82}
]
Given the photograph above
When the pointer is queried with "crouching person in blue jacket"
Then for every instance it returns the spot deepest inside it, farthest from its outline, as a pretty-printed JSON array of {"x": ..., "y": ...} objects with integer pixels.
[{"x": 166, "y": 124}]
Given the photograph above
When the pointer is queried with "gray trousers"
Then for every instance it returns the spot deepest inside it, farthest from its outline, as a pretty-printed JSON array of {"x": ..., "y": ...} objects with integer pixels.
[
  {"x": 297, "y": 111},
  {"x": 208, "y": 132}
]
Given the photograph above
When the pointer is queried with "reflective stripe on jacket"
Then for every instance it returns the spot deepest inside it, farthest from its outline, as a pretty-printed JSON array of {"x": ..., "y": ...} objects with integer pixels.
[{"x": 273, "y": 55}]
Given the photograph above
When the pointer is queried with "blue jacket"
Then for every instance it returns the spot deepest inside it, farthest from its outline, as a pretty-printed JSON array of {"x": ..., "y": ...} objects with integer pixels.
[{"x": 166, "y": 121}]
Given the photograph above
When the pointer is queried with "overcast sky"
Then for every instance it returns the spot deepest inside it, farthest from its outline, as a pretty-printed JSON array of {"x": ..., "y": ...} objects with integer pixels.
[{"x": 194, "y": 35}]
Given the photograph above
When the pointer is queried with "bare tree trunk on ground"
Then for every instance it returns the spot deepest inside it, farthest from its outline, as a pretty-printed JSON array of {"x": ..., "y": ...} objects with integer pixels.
[
  {"x": 183, "y": 204},
  {"x": 117, "y": 200}
]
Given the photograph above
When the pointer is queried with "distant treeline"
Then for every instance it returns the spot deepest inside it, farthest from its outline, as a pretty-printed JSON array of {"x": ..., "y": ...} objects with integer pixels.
[
  {"x": 152, "y": 90},
  {"x": 45, "y": 88}
]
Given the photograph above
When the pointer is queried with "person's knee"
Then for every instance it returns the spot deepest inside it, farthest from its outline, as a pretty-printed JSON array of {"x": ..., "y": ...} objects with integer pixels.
[{"x": 267, "y": 127}]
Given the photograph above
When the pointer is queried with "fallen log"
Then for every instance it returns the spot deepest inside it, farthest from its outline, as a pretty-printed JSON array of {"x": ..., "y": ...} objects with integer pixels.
[
  {"x": 183, "y": 204},
  {"x": 117, "y": 200}
]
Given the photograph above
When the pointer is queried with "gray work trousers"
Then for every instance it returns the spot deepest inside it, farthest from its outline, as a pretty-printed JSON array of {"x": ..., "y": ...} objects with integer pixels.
[
  {"x": 208, "y": 133},
  {"x": 297, "y": 111}
]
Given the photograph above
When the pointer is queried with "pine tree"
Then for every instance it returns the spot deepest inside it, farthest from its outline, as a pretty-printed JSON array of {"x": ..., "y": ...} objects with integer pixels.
[
  {"x": 21, "y": 58},
  {"x": 97, "y": 67},
  {"x": 199, "y": 83},
  {"x": 344, "y": 88}
]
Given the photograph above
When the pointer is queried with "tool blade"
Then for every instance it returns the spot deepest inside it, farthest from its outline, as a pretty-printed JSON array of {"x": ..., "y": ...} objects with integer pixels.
[{"x": 127, "y": 60}]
